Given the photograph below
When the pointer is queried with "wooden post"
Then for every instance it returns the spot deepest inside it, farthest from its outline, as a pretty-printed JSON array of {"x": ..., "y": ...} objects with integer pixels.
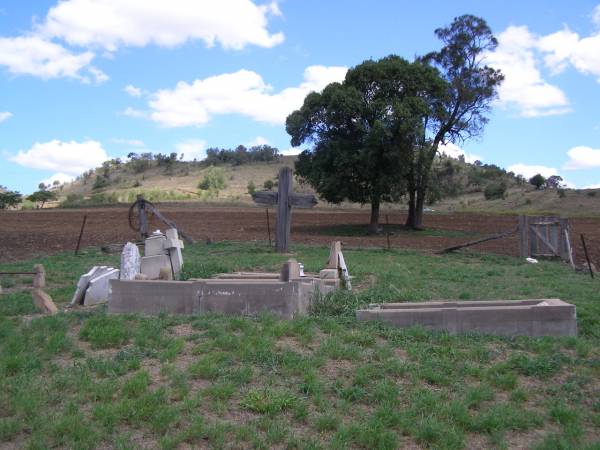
[
  {"x": 142, "y": 217},
  {"x": 268, "y": 226},
  {"x": 387, "y": 225},
  {"x": 284, "y": 210},
  {"x": 81, "y": 233},
  {"x": 523, "y": 242},
  {"x": 587, "y": 257}
]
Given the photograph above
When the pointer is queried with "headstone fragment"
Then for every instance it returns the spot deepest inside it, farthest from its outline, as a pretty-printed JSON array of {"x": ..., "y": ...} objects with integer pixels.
[
  {"x": 173, "y": 246},
  {"x": 43, "y": 302},
  {"x": 154, "y": 245},
  {"x": 82, "y": 285},
  {"x": 99, "y": 288},
  {"x": 151, "y": 265},
  {"x": 334, "y": 252},
  {"x": 39, "y": 280},
  {"x": 329, "y": 274},
  {"x": 130, "y": 261},
  {"x": 290, "y": 270}
]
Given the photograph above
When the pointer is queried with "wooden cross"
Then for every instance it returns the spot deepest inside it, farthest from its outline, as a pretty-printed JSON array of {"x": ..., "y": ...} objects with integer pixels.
[{"x": 285, "y": 199}]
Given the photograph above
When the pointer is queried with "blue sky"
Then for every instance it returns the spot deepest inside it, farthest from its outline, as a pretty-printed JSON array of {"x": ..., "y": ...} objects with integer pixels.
[{"x": 83, "y": 80}]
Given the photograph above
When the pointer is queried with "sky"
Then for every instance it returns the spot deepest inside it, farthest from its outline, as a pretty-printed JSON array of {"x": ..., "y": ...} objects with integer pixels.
[{"x": 82, "y": 81}]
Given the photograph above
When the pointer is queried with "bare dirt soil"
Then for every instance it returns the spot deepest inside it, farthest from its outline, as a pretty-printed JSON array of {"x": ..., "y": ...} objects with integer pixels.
[{"x": 27, "y": 234}]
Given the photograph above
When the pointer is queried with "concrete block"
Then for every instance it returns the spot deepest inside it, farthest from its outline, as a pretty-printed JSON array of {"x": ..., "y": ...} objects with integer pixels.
[
  {"x": 43, "y": 302},
  {"x": 98, "y": 290},
  {"x": 154, "y": 297},
  {"x": 154, "y": 245},
  {"x": 329, "y": 274},
  {"x": 546, "y": 317},
  {"x": 290, "y": 270},
  {"x": 151, "y": 265}
]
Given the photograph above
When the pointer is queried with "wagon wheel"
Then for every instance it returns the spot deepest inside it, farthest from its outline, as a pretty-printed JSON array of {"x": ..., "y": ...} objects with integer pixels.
[{"x": 134, "y": 213}]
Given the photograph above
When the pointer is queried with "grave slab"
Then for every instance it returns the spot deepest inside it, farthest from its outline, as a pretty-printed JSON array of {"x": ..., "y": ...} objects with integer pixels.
[
  {"x": 544, "y": 317},
  {"x": 130, "y": 261},
  {"x": 151, "y": 265}
]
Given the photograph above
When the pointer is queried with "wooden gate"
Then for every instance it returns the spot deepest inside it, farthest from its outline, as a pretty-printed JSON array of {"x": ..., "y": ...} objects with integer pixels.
[{"x": 545, "y": 236}]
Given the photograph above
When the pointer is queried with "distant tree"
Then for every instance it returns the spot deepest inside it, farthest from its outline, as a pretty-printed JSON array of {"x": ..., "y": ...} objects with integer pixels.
[
  {"x": 538, "y": 181},
  {"x": 269, "y": 185},
  {"x": 42, "y": 186},
  {"x": 106, "y": 169},
  {"x": 251, "y": 187},
  {"x": 460, "y": 112},
  {"x": 495, "y": 191},
  {"x": 100, "y": 182},
  {"x": 9, "y": 199},
  {"x": 213, "y": 181},
  {"x": 554, "y": 182},
  {"x": 41, "y": 197},
  {"x": 364, "y": 131}
]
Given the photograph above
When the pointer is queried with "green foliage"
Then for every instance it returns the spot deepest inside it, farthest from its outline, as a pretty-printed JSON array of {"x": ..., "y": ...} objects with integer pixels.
[
  {"x": 41, "y": 197},
  {"x": 104, "y": 331},
  {"x": 241, "y": 155},
  {"x": 269, "y": 185},
  {"x": 251, "y": 188},
  {"x": 213, "y": 181},
  {"x": 538, "y": 181},
  {"x": 100, "y": 182},
  {"x": 494, "y": 191},
  {"x": 364, "y": 131},
  {"x": 9, "y": 199},
  {"x": 268, "y": 401}
]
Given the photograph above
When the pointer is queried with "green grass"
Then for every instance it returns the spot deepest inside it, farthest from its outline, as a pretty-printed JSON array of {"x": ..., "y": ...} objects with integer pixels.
[{"x": 88, "y": 379}]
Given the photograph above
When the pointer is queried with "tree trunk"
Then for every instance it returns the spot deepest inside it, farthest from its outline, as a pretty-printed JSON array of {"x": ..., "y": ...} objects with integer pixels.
[
  {"x": 411, "y": 208},
  {"x": 374, "y": 225}
]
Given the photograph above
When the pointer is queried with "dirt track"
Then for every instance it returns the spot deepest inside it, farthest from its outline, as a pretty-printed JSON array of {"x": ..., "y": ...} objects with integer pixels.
[{"x": 26, "y": 234}]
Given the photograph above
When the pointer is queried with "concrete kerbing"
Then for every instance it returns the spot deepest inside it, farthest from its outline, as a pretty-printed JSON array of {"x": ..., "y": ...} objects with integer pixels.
[{"x": 543, "y": 317}]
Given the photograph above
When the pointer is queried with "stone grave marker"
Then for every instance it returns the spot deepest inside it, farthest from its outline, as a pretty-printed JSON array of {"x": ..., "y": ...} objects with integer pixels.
[
  {"x": 130, "y": 261},
  {"x": 98, "y": 290},
  {"x": 285, "y": 198}
]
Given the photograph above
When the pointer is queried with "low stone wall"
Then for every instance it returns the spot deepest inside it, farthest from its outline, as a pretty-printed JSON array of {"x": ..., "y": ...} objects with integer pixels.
[
  {"x": 546, "y": 317},
  {"x": 285, "y": 299}
]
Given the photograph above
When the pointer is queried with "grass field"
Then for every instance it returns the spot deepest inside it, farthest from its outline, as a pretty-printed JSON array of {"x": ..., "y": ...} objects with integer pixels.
[{"x": 91, "y": 380}]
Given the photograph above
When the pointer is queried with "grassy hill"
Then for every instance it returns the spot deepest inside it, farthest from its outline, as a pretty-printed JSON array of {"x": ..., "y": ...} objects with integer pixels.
[{"x": 457, "y": 187}]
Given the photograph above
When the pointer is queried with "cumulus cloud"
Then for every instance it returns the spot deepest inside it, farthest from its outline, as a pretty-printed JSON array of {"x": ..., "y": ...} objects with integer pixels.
[
  {"x": 192, "y": 149},
  {"x": 5, "y": 116},
  {"x": 258, "y": 140},
  {"x": 528, "y": 170},
  {"x": 454, "y": 151},
  {"x": 524, "y": 88},
  {"x": 62, "y": 178},
  {"x": 243, "y": 92},
  {"x": 110, "y": 24},
  {"x": 132, "y": 90},
  {"x": 291, "y": 151},
  {"x": 582, "y": 157},
  {"x": 32, "y": 55},
  {"x": 129, "y": 142},
  {"x": 71, "y": 158}
]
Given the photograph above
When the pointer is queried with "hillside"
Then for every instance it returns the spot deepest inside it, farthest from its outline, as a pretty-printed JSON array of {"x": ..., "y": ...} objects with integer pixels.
[{"x": 457, "y": 187}]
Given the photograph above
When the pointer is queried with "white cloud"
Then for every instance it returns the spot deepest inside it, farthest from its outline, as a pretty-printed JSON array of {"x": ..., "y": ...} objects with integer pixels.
[
  {"x": 71, "y": 158},
  {"x": 596, "y": 16},
  {"x": 592, "y": 186},
  {"x": 62, "y": 178},
  {"x": 129, "y": 142},
  {"x": 136, "y": 113},
  {"x": 110, "y": 24},
  {"x": 524, "y": 88},
  {"x": 565, "y": 46},
  {"x": 5, "y": 116},
  {"x": 291, "y": 151},
  {"x": 454, "y": 151},
  {"x": 258, "y": 140},
  {"x": 530, "y": 170},
  {"x": 243, "y": 92},
  {"x": 192, "y": 149},
  {"x": 132, "y": 90},
  {"x": 582, "y": 157}
]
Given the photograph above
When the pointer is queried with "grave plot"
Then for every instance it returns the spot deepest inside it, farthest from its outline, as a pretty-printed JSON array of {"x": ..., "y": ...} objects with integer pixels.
[{"x": 546, "y": 317}]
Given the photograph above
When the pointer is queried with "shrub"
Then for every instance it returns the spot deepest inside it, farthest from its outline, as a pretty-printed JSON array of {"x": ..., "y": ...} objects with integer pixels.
[
  {"x": 494, "y": 191},
  {"x": 269, "y": 184},
  {"x": 213, "y": 181},
  {"x": 100, "y": 182},
  {"x": 251, "y": 187},
  {"x": 561, "y": 192}
]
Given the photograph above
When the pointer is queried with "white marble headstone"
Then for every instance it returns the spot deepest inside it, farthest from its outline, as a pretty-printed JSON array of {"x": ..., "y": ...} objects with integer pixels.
[{"x": 130, "y": 261}]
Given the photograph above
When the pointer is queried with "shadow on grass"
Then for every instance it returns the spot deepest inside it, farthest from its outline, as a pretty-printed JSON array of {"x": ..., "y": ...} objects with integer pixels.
[{"x": 358, "y": 230}]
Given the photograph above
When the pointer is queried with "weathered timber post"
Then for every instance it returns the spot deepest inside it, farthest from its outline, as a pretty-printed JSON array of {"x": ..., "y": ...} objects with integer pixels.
[
  {"x": 285, "y": 198},
  {"x": 141, "y": 202},
  {"x": 284, "y": 210}
]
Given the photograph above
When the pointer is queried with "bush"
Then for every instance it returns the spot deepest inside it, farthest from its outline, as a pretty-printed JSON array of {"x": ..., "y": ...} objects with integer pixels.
[
  {"x": 494, "y": 191},
  {"x": 269, "y": 184},
  {"x": 213, "y": 181},
  {"x": 251, "y": 187},
  {"x": 100, "y": 182},
  {"x": 561, "y": 192}
]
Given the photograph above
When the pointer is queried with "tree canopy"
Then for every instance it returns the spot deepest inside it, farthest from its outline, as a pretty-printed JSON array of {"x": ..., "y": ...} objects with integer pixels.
[
  {"x": 363, "y": 131},
  {"x": 41, "y": 197},
  {"x": 9, "y": 199}
]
